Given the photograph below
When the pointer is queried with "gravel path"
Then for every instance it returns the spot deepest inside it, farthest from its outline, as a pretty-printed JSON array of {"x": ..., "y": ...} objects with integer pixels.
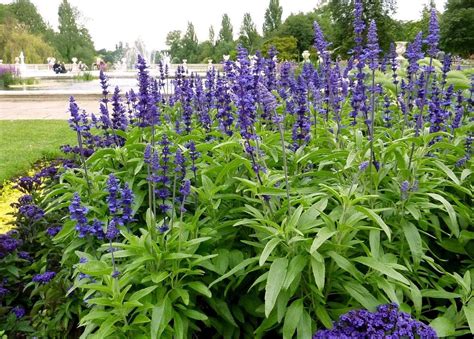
[{"x": 47, "y": 108}]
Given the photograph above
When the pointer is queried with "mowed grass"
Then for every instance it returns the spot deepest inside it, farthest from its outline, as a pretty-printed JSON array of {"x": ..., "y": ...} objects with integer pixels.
[{"x": 25, "y": 142}]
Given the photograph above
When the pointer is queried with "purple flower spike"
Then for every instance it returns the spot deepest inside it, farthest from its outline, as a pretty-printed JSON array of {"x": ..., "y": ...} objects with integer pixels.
[
  {"x": 359, "y": 27},
  {"x": 113, "y": 189},
  {"x": 19, "y": 311},
  {"x": 373, "y": 50},
  {"x": 432, "y": 40},
  {"x": 44, "y": 278}
]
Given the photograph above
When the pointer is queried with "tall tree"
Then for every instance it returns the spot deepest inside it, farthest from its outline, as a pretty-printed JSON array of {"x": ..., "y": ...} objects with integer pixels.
[
  {"x": 457, "y": 27},
  {"x": 249, "y": 37},
  {"x": 73, "y": 39},
  {"x": 272, "y": 17},
  {"x": 173, "y": 41},
  {"x": 190, "y": 44},
  {"x": 226, "y": 32},
  {"x": 212, "y": 35}
]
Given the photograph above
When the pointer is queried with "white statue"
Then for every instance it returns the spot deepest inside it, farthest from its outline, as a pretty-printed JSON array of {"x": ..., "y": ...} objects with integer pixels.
[
  {"x": 305, "y": 56},
  {"x": 400, "y": 49},
  {"x": 75, "y": 68},
  {"x": 185, "y": 65},
  {"x": 209, "y": 64}
]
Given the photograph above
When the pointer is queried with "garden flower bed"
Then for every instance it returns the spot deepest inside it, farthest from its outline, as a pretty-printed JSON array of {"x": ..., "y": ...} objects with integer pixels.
[{"x": 267, "y": 201}]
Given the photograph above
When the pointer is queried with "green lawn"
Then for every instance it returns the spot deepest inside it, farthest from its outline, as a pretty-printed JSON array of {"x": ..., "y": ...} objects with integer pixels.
[{"x": 24, "y": 142}]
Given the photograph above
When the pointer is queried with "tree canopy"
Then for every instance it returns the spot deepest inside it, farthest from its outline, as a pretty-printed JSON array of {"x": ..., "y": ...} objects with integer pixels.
[
  {"x": 73, "y": 39},
  {"x": 249, "y": 37},
  {"x": 457, "y": 27},
  {"x": 272, "y": 17}
]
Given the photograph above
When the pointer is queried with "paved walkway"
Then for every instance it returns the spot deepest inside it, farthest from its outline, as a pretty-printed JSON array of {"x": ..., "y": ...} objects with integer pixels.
[{"x": 57, "y": 108}]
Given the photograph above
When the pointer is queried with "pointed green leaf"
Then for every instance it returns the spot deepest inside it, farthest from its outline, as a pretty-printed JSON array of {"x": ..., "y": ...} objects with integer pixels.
[
  {"x": 319, "y": 270},
  {"x": 297, "y": 264},
  {"x": 414, "y": 241},
  {"x": 200, "y": 288},
  {"x": 269, "y": 247},
  {"x": 292, "y": 317},
  {"x": 323, "y": 235},
  {"x": 452, "y": 214},
  {"x": 274, "y": 283},
  {"x": 375, "y": 218},
  {"x": 382, "y": 268}
]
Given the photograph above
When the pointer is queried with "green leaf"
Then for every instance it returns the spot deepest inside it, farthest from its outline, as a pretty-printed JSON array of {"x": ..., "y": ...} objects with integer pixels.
[
  {"x": 304, "y": 328},
  {"x": 196, "y": 315},
  {"x": 274, "y": 283},
  {"x": 150, "y": 219},
  {"x": 324, "y": 234},
  {"x": 95, "y": 268},
  {"x": 469, "y": 313},
  {"x": 414, "y": 241},
  {"x": 178, "y": 326},
  {"x": 453, "y": 226},
  {"x": 319, "y": 270},
  {"x": 362, "y": 295},
  {"x": 382, "y": 268},
  {"x": 107, "y": 327},
  {"x": 447, "y": 171},
  {"x": 292, "y": 317},
  {"x": 323, "y": 316},
  {"x": 346, "y": 265},
  {"x": 443, "y": 326},
  {"x": 141, "y": 293},
  {"x": 237, "y": 268},
  {"x": 141, "y": 319},
  {"x": 158, "y": 316},
  {"x": 295, "y": 217},
  {"x": 200, "y": 288},
  {"x": 376, "y": 218},
  {"x": 269, "y": 247},
  {"x": 414, "y": 211},
  {"x": 439, "y": 294},
  {"x": 297, "y": 264}
]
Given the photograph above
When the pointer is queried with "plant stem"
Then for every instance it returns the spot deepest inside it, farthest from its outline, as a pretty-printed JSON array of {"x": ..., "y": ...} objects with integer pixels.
[{"x": 81, "y": 154}]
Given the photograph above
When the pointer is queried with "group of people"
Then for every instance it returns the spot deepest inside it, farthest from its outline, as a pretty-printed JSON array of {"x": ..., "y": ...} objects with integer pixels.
[{"x": 59, "y": 68}]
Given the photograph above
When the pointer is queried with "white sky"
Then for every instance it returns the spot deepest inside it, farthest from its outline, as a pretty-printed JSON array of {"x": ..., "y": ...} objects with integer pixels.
[{"x": 111, "y": 21}]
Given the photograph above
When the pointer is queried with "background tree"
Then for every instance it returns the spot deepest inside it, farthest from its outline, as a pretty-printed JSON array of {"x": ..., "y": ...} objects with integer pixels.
[
  {"x": 286, "y": 46},
  {"x": 249, "y": 37},
  {"x": 14, "y": 39},
  {"x": 378, "y": 10},
  {"x": 173, "y": 41},
  {"x": 190, "y": 44},
  {"x": 73, "y": 39},
  {"x": 212, "y": 35},
  {"x": 457, "y": 27},
  {"x": 23, "y": 29},
  {"x": 225, "y": 42},
  {"x": 226, "y": 33},
  {"x": 27, "y": 14},
  {"x": 272, "y": 17}
]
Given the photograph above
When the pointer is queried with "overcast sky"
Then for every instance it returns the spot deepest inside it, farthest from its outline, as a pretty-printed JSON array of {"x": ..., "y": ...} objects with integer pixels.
[{"x": 111, "y": 21}]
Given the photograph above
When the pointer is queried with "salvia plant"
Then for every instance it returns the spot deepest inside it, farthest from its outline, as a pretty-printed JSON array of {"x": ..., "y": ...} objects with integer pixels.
[{"x": 270, "y": 200}]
